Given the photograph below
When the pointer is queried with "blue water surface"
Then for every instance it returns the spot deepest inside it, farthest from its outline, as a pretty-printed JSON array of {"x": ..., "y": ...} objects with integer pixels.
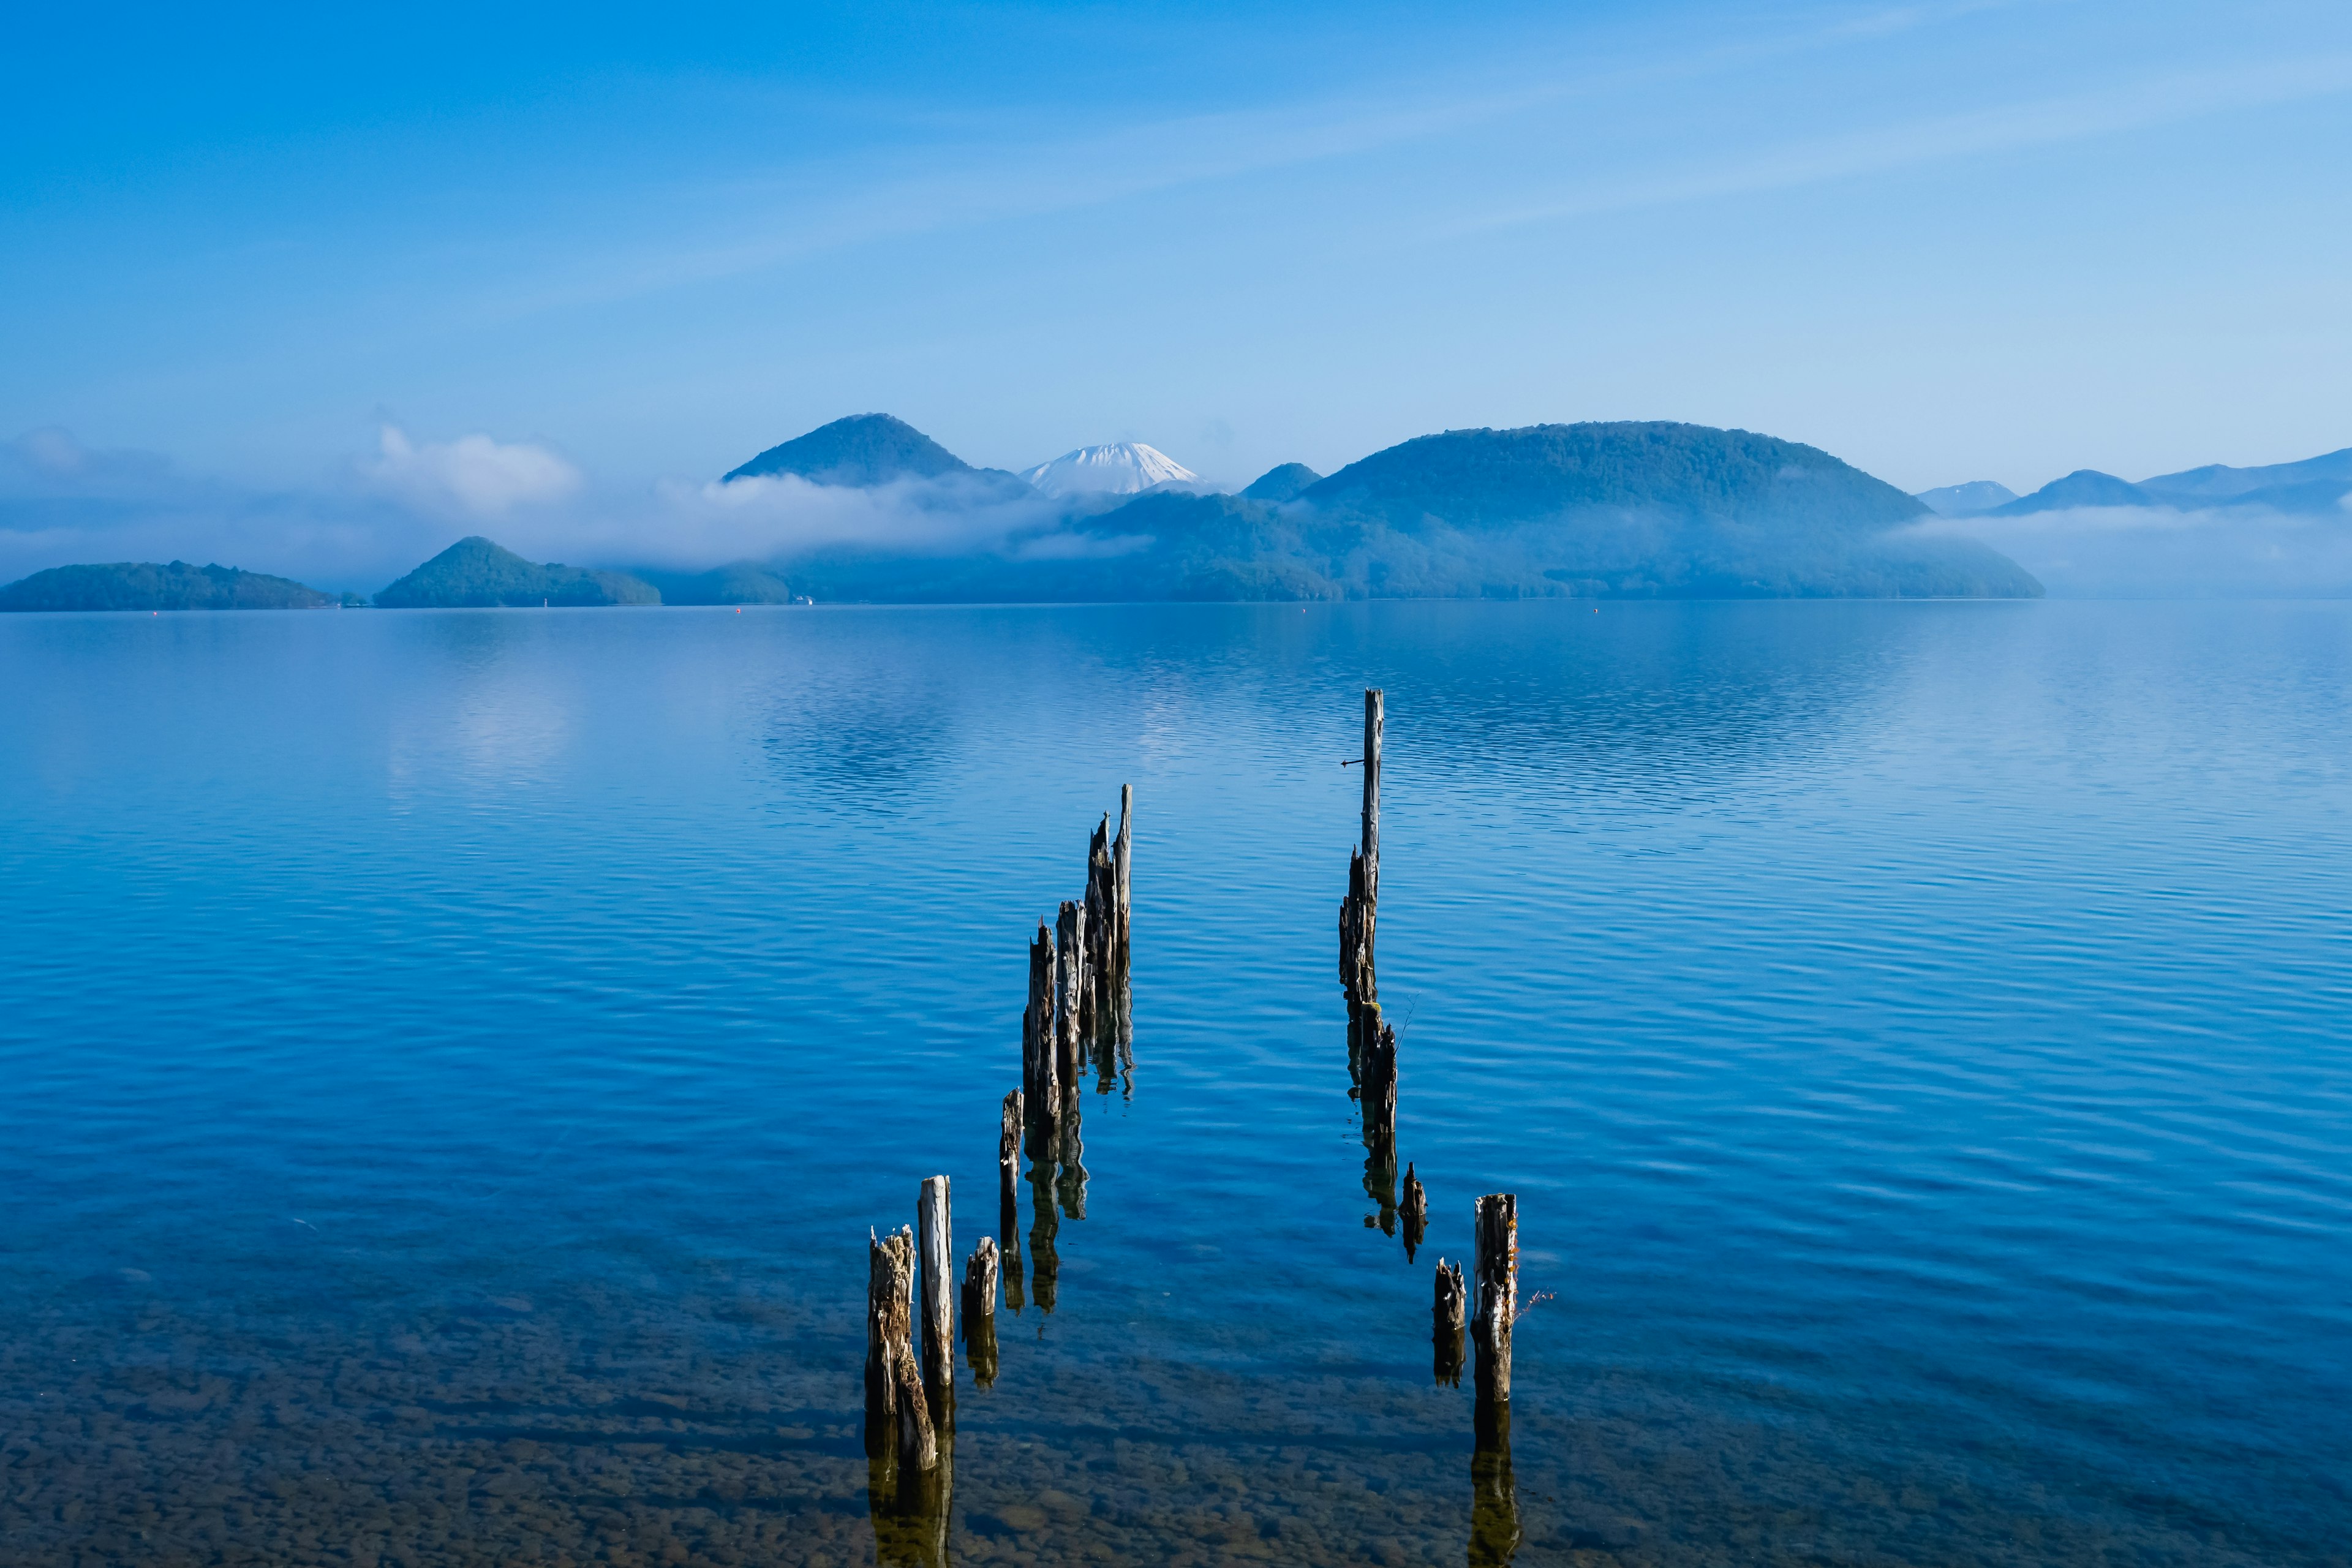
[{"x": 454, "y": 1060}]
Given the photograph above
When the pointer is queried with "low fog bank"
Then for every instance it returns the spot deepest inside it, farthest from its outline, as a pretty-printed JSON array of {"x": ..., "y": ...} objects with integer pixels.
[
  {"x": 372, "y": 518},
  {"x": 2136, "y": 552}
]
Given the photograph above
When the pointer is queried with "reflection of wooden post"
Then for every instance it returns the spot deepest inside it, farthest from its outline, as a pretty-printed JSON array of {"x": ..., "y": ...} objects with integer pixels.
[
  {"x": 1495, "y": 1533},
  {"x": 889, "y": 1281},
  {"x": 980, "y": 1311},
  {"x": 1415, "y": 1209},
  {"x": 1446, "y": 1318},
  {"x": 939, "y": 1304},
  {"x": 1498, "y": 1273},
  {"x": 1008, "y": 1193}
]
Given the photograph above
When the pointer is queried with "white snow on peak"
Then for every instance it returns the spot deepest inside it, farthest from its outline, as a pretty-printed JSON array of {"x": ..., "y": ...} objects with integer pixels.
[{"x": 1121, "y": 469}]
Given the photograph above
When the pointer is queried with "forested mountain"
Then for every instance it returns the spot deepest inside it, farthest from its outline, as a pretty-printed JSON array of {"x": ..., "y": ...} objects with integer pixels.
[
  {"x": 863, "y": 450},
  {"x": 1591, "y": 511},
  {"x": 144, "y": 585},
  {"x": 475, "y": 574}
]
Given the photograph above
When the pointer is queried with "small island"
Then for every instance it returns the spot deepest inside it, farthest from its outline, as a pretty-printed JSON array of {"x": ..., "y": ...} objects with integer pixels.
[{"x": 173, "y": 585}]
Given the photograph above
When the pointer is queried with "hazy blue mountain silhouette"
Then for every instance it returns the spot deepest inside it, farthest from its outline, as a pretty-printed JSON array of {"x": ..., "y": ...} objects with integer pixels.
[
  {"x": 1280, "y": 484},
  {"x": 2083, "y": 487},
  {"x": 2313, "y": 484},
  {"x": 1965, "y": 499}
]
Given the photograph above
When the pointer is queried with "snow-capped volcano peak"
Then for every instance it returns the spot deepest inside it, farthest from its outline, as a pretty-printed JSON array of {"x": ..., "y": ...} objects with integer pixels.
[{"x": 1121, "y": 469}]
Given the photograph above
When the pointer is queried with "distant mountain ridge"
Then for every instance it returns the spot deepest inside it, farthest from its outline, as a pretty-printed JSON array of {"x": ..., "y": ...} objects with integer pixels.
[
  {"x": 1623, "y": 509},
  {"x": 2314, "y": 486},
  {"x": 1965, "y": 499}
]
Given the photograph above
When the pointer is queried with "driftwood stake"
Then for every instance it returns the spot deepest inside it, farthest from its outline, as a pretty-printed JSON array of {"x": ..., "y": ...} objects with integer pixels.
[
  {"x": 980, "y": 1311},
  {"x": 1375, "y": 718},
  {"x": 919, "y": 1446},
  {"x": 889, "y": 1280},
  {"x": 938, "y": 1301},
  {"x": 1448, "y": 1317},
  {"x": 1496, "y": 1217}
]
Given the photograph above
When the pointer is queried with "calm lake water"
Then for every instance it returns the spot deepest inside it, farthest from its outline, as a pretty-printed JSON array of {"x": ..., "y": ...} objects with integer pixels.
[{"x": 453, "y": 1061}]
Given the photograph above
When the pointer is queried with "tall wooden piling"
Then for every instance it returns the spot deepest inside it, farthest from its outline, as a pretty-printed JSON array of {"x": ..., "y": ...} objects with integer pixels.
[
  {"x": 1448, "y": 1315},
  {"x": 1098, "y": 1017},
  {"x": 937, "y": 1243},
  {"x": 1040, "y": 1080},
  {"x": 1360, "y": 910},
  {"x": 1375, "y": 718},
  {"x": 980, "y": 1311},
  {"x": 1069, "y": 995},
  {"x": 1122, "y": 858},
  {"x": 889, "y": 1285},
  {"x": 1497, "y": 1227}
]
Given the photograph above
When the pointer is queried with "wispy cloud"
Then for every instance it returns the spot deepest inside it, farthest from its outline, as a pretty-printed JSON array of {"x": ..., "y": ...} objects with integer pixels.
[
  {"x": 473, "y": 476},
  {"x": 2004, "y": 128}
]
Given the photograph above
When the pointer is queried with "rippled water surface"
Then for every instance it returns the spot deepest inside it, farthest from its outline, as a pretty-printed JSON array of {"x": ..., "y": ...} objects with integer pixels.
[{"x": 452, "y": 1062}]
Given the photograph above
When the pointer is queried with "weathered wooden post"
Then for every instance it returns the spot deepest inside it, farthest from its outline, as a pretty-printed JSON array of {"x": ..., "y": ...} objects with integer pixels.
[
  {"x": 1360, "y": 910},
  {"x": 1448, "y": 1317},
  {"x": 1040, "y": 1081},
  {"x": 1098, "y": 1016},
  {"x": 980, "y": 1311},
  {"x": 1374, "y": 723},
  {"x": 1069, "y": 995},
  {"x": 938, "y": 1301},
  {"x": 889, "y": 1283},
  {"x": 1496, "y": 1226},
  {"x": 1415, "y": 1209},
  {"x": 1122, "y": 857}
]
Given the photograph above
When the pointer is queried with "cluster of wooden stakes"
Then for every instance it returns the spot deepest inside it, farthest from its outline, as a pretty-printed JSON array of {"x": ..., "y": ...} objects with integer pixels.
[{"x": 1079, "y": 1011}]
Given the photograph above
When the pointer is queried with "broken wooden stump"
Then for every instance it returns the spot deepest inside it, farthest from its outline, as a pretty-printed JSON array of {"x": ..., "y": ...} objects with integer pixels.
[
  {"x": 938, "y": 1302},
  {"x": 980, "y": 1311},
  {"x": 1496, "y": 1270},
  {"x": 889, "y": 1285},
  {"x": 1415, "y": 1210},
  {"x": 1448, "y": 1317}
]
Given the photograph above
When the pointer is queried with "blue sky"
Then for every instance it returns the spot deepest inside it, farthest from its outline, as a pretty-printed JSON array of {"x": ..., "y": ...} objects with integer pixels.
[{"x": 1942, "y": 241}]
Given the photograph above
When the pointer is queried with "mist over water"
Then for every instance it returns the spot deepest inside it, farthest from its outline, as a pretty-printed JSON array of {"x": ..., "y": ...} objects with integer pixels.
[{"x": 456, "y": 1058}]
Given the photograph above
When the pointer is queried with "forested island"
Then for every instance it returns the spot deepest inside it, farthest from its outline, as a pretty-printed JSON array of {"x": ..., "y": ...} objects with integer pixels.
[{"x": 145, "y": 585}]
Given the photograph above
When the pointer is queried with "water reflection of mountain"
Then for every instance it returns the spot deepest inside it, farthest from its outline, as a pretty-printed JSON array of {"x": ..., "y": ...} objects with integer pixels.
[{"x": 1648, "y": 699}]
